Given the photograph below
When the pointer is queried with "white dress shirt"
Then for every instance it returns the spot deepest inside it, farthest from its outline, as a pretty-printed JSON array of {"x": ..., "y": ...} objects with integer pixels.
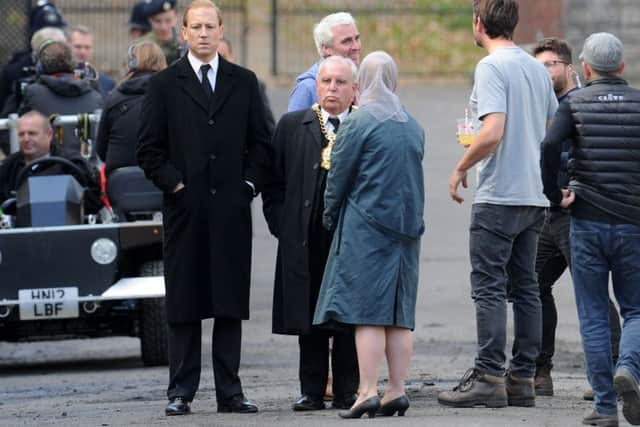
[
  {"x": 213, "y": 71},
  {"x": 326, "y": 115}
]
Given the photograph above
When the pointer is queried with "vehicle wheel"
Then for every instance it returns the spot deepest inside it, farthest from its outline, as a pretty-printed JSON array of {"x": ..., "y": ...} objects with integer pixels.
[{"x": 153, "y": 330}]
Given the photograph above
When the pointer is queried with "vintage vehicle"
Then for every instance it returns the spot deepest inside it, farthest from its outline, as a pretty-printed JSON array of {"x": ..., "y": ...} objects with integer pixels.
[{"x": 64, "y": 274}]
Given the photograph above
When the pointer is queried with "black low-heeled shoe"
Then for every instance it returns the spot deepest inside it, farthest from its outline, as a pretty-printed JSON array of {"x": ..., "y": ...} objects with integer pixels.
[
  {"x": 369, "y": 406},
  {"x": 399, "y": 405}
]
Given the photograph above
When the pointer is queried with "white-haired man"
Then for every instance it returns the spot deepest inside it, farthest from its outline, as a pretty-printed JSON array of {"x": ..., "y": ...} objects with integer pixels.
[
  {"x": 335, "y": 34},
  {"x": 302, "y": 146}
]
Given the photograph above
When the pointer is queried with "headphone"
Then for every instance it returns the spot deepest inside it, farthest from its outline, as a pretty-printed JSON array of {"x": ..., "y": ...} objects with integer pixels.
[
  {"x": 132, "y": 60},
  {"x": 40, "y": 69}
]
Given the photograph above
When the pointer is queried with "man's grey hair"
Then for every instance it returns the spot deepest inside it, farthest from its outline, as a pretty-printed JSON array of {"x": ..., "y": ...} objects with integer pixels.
[
  {"x": 56, "y": 58},
  {"x": 82, "y": 29},
  {"x": 323, "y": 33},
  {"x": 44, "y": 34},
  {"x": 347, "y": 61}
]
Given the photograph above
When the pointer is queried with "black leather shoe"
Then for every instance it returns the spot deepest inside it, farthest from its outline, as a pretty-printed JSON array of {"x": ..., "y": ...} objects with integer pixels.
[
  {"x": 308, "y": 403},
  {"x": 344, "y": 402},
  {"x": 177, "y": 406},
  {"x": 399, "y": 405},
  {"x": 238, "y": 404},
  {"x": 369, "y": 406}
]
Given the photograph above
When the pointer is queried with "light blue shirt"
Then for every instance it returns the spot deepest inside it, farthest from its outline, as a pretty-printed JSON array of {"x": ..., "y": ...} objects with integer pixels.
[
  {"x": 512, "y": 82},
  {"x": 303, "y": 95}
]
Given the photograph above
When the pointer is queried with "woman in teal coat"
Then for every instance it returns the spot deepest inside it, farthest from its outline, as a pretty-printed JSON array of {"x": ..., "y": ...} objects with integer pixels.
[{"x": 375, "y": 200}]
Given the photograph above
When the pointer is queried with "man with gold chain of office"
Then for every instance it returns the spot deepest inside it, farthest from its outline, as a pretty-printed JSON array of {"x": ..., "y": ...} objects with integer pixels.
[
  {"x": 163, "y": 19},
  {"x": 293, "y": 206}
]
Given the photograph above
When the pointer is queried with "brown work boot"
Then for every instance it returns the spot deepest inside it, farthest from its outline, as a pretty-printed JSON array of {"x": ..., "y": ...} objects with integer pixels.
[
  {"x": 520, "y": 391},
  {"x": 588, "y": 394},
  {"x": 543, "y": 382},
  {"x": 628, "y": 390},
  {"x": 601, "y": 420},
  {"x": 476, "y": 389}
]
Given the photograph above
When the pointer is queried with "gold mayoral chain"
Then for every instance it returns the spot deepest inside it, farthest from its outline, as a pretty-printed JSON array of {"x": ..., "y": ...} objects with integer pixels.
[{"x": 325, "y": 157}]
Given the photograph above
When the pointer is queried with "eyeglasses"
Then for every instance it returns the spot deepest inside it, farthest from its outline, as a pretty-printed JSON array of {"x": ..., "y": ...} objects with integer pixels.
[{"x": 549, "y": 64}]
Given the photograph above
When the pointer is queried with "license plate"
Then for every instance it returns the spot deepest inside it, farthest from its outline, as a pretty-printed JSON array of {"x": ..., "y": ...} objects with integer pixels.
[{"x": 48, "y": 303}]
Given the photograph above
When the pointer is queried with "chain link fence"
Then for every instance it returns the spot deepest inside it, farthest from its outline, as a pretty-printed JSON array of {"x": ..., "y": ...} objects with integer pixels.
[
  {"x": 14, "y": 19},
  {"x": 425, "y": 37},
  {"x": 108, "y": 19}
]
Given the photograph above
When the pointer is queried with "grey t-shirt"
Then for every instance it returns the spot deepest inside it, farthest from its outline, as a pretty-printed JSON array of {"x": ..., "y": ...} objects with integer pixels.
[{"x": 511, "y": 81}]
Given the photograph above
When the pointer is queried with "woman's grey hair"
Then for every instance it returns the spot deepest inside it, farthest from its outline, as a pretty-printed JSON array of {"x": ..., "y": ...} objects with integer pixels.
[
  {"x": 44, "y": 34},
  {"x": 347, "y": 61},
  {"x": 323, "y": 33}
]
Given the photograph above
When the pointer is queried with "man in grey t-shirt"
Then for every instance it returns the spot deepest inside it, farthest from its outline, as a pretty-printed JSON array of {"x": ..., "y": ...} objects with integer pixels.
[{"x": 513, "y": 97}]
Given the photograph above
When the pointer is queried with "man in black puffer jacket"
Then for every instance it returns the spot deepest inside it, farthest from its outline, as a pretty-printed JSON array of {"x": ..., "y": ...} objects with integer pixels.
[
  {"x": 602, "y": 120},
  {"x": 58, "y": 91}
]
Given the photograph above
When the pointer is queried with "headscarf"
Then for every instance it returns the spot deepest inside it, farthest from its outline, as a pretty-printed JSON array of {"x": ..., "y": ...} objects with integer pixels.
[{"x": 377, "y": 80}]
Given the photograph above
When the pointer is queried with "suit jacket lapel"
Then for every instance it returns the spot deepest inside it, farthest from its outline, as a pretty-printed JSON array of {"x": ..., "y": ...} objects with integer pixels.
[
  {"x": 224, "y": 83},
  {"x": 312, "y": 124},
  {"x": 190, "y": 83}
]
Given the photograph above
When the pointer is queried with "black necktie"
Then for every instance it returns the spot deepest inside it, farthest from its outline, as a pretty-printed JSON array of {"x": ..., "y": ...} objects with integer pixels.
[
  {"x": 206, "y": 85},
  {"x": 335, "y": 122}
]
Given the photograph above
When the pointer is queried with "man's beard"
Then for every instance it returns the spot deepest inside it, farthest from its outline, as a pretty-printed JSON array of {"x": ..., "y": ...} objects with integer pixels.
[{"x": 559, "y": 85}]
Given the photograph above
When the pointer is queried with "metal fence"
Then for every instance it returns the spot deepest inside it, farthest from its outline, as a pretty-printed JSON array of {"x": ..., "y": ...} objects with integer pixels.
[
  {"x": 14, "y": 21},
  {"x": 108, "y": 20},
  {"x": 425, "y": 37}
]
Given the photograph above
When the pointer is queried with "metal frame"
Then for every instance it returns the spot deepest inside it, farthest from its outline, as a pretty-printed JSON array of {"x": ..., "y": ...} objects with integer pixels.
[{"x": 11, "y": 124}]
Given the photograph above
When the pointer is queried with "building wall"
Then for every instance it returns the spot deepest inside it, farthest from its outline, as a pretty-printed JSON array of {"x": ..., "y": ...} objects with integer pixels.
[
  {"x": 539, "y": 19},
  {"x": 619, "y": 17}
]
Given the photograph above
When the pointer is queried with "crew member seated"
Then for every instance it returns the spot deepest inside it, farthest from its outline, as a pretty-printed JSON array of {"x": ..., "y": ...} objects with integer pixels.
[{"x": 35, "y": 135}]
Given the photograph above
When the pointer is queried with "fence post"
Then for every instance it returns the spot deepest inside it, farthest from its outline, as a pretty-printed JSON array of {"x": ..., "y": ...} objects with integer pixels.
[
  {"x": 274, "y": 37},
  {"x": 14, "y": 144}
]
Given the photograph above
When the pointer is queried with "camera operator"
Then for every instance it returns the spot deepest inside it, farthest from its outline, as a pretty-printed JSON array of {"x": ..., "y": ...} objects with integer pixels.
[
  {"x": 81, "y": 40},
  {"x": 58, "y": 91},
  {"x": 45, "y": 14}
]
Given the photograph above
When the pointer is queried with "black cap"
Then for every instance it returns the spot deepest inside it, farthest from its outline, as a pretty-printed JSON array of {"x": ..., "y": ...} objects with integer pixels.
[
  {"x": 45, "y": 14},
  {"x": 138, "y": 18},
  {"x": 153, "y": 7}
]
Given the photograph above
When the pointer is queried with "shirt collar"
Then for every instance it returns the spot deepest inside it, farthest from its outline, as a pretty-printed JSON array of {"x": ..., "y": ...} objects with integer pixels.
[
  {"x": 326, "y": 115},
  {"x": 196, "y": 64}
]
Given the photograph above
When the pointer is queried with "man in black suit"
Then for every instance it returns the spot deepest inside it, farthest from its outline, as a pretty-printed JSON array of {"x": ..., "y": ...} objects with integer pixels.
[
  {"x": 293, "y": 206},
  {"x": 204, "y": 141}
]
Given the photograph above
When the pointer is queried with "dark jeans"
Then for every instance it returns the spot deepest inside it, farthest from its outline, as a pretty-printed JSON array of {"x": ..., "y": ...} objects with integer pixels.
[
  {"x": 596, "y": 249},
  {"x": 502, "y": 247},
  {"x": 553, "y": 257}
]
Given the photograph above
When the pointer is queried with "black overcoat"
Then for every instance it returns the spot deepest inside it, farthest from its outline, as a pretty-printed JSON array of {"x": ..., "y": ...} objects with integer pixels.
[
  {"x": 288, "y": 200},
  {"x": 213, "y": 148}
]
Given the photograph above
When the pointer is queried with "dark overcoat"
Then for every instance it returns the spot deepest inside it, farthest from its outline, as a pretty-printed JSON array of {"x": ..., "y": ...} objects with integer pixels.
[
  {"x": 213, "y": 148},
  {"x": 287, "y": 205}
]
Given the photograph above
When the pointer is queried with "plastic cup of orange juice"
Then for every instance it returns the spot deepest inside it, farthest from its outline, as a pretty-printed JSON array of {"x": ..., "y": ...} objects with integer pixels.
[{"x": 465, "y": 132}]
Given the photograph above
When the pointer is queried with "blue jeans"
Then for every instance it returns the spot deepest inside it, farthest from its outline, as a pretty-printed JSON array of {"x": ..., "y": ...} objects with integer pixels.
[
  {"x": 502, "y": 246},
  {"x": 596, "y": 249}
]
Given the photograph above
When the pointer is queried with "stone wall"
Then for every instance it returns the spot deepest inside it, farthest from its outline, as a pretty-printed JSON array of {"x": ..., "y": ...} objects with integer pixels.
[{"x": 619, "y": 17}]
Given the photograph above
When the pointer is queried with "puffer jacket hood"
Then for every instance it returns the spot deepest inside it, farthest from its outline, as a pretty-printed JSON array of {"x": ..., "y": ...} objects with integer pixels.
[{"x": 66, "y": 85}]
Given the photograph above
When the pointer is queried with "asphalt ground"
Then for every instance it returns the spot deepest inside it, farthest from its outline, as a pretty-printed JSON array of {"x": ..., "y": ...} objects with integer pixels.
[{"x": 102, "y": 382}]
